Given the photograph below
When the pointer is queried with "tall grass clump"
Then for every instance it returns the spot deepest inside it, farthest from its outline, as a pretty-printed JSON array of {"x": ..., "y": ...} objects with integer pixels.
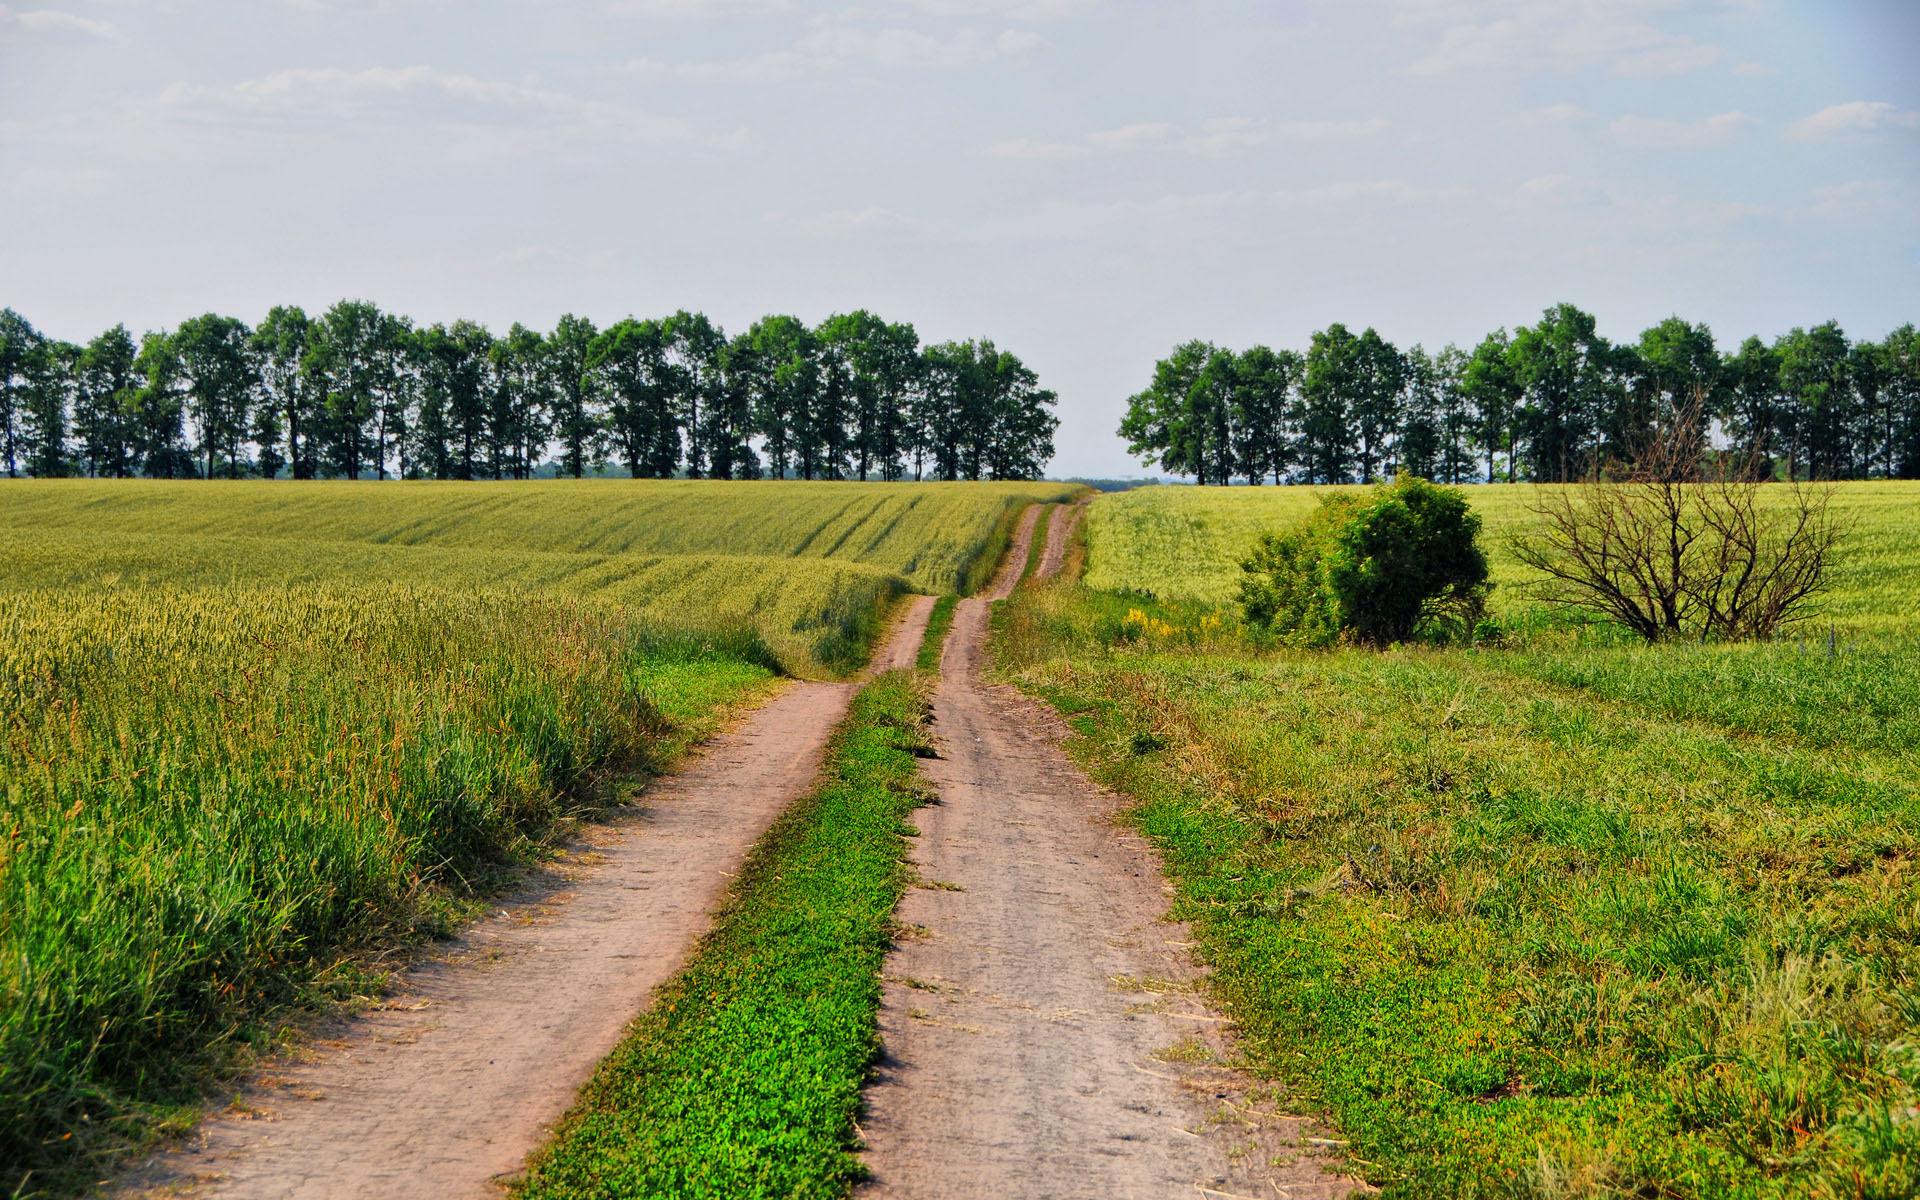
[{"x": 212, "y": 793}]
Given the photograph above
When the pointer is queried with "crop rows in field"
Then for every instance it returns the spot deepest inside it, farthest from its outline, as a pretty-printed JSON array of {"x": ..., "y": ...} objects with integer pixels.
[{"x": 1185, "y": 544}]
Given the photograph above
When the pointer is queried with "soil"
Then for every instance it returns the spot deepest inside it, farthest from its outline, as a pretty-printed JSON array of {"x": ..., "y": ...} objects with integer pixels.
[
  {"x": 1043, "y": 1032},
  {"x": 443, "y": 1089}
]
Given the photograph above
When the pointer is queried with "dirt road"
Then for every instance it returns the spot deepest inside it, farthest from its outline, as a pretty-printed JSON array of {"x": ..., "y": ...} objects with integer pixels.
[
  {"x": 458, "y": 1076},
  {"x": 1043, "y": 1038}
]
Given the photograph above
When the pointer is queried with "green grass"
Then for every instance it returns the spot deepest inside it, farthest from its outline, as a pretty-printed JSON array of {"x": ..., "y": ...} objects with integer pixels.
[
  {"x": 1584, "y": 920},
  {"x": 213, "y": 798},
  {"x": 939, "y": 621},
  {"x": 1184, "y": 544},
  {"x": 744, "y": 1077}
]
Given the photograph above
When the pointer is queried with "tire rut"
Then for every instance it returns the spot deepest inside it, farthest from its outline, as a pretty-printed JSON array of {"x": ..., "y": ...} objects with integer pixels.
[
  {"x": 1043, "y": 1031},
  {"x": 444, "y": 1088}
]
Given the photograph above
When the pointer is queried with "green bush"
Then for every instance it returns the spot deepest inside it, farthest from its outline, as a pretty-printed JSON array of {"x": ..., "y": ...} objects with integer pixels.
[{"x": 1378, "y": 567}]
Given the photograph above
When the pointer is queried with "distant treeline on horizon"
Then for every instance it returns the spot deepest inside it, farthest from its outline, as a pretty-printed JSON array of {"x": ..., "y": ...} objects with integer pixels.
[
  {"x": 356, "y": 392},
  {"x": 1547, "y": 403}
]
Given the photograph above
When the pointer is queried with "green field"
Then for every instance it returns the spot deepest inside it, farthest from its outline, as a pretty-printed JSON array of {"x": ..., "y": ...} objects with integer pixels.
[
  {"x": 255, "y": 729},
  {"x": 1185, "y": 544},
  {"x": 1568, "y": 917}
]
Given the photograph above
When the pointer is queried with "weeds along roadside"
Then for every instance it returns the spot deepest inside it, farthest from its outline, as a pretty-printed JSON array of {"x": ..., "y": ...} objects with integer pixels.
[
  {"x": 743, "y": 1078},
  {"x": 1516, "y": 937},
  {"x": 216, "y": 799}
]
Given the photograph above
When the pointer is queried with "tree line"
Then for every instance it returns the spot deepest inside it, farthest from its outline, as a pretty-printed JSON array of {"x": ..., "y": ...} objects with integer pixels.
[
  {"x": 356, "y": 392},
  {"x": 1549, "y": 402}
]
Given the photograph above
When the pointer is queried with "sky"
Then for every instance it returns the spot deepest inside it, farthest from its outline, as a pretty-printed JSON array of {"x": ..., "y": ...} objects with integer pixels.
[{"x": 1086, "y": 182}]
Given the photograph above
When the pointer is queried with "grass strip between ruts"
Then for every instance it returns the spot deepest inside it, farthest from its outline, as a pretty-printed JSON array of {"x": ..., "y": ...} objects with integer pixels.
[
  {"x": 744, "y": 1077},
  {"x": 1037, "y": 546},
  {"x": 939, "y": 621}
]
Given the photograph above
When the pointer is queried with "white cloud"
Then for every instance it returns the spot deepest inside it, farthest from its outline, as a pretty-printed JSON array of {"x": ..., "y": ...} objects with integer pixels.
[
  {"x": 1852, "y": 119},
  {"x": 1131, "y": 137},
  {"x": 516, "y": 116},
  {"x": 1865, "y": 198},
  {"x": 835, "y": 45},
  {"x": 1569, "y": 190},
  {"x": 46, "y": 20},
  {"x": 1659, "y": 133},
  {"x": 1524, "y": 36},
  {"x": 1027, "y": 148},
  {"x": 1221, "y": 135},
  {"x": 1672, "y": 56},
  {"x": 1011, "y": 10},
  {"x": 846, "y": 222}
]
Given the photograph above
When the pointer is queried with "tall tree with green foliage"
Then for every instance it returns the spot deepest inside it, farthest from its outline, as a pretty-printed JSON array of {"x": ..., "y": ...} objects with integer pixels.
[
  {"x": 576, "y": 421},
  {"x": 1571, "y": 379},
  {"x": 214, "y": 367},
  {"x": 1261, "y": 396},
  {"x": 288, "y": 389},
  {"x": 340, "y": 363},
  {"x": 105, "y": 387},
  {"x": 1327, "y": 447},
  {"x": 1491, "y": 383},
  {"x": 158, "y": 424},
  {"x": 19, "y": 341},
  {"x": 1815, "y": 379},
  {"x": 1158, "y": 423},
  {"x": 629, "y": 361}
]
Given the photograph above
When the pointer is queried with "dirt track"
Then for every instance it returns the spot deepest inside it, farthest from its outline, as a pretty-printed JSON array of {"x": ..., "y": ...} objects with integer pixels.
[
  {"x": 1043, "y": 1038},
  {"x": 460, "y": 1073}
]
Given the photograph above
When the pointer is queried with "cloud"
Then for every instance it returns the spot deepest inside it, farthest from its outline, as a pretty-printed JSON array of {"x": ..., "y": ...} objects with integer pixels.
[
  {"x": 1865, "y": 198},
  {"x": 1852, "y": 120},
  {"x": 1565, "y": 190},
  {"x": 1027, "y": 148},
  {"x": 846, "y": 222},
  {"x": 1221, "y": 135},
  {"x": 47, "y": 20},
  {"x": 1659, "y": 133},
  {"x": 518, "y": 117},
  {"x": 833, "y": 46},
  {"x": 1525, "y": 36}
]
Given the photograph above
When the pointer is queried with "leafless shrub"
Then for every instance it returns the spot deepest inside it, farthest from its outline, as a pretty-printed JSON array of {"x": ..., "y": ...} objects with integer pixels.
[{"x": 1683, "y": 542}]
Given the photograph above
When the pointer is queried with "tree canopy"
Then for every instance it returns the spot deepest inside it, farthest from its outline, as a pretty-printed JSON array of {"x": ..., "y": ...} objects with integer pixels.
[
  {"x": 356, "y": 392},
  {"x": 1547, "y": 402}
]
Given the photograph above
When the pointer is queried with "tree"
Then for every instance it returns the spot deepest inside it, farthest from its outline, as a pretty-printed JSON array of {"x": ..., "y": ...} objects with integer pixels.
[
  {"x": 1158, "y": 424},
  {"x": 1676, "y": 366},
  {"x": 517, "y": 422},
  {"x": 50, "y": 377},
  {"x": 1680, "y": 545},
  {"x": 1263, "y": 383},
  {"x": 1492, "y": 386},
  {"x": 1752, "y": 406},
  {"x": 1456, "y": 418},
  {"x": 393, "y": 381},
  {"x": 213, "y": 364},
  {"x": 575, "y": 419},
  {"x": 695, "y": 347},
  {"x": 19, "y": 341},
  {"x": 629, "y": 363},
  {"x": 1819, "y": 392},
  {"x": 1324, "y": 416},
  {"x": 1903, "y": 399},
  {"x": 1417, "y": 448},
  {"x": 158, "y": 422},
  {"x": 1568, "y": 374},
  {"x": 339, "y": 368},
  {"x": 1018, "y": 439},
  {"x": 105, "y": 387},
  {"x": 287, "y": 388},
  {"x": 1378, "y": 377}
]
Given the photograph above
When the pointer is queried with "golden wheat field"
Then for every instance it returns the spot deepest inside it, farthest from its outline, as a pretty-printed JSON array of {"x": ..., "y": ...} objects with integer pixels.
[{"x": 1185, "y": 544}]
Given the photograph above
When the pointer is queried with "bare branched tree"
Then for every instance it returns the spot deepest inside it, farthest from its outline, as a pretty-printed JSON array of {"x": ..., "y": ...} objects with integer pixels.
[{"x": 1684, "y": 542}]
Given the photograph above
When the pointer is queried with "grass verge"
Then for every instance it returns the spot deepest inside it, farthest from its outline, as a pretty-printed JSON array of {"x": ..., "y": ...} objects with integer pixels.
[
  {"x": 1538, "y": 928},
  {"x": 743, "y": 1078},
  {"x": 938, "y": 623}
]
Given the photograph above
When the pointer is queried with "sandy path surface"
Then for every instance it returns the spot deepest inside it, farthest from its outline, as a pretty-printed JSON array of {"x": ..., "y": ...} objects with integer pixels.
[
  {"x": 1043, "y": 1038},
  {"x": 460, "y": 1073}
]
